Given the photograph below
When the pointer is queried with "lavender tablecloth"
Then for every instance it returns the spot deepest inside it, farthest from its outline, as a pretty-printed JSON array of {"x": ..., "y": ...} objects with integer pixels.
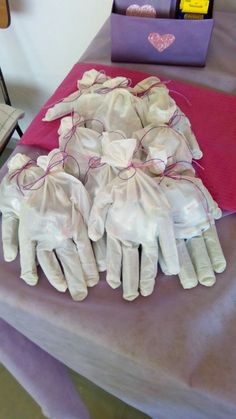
[{"x": 172, "y": 355}]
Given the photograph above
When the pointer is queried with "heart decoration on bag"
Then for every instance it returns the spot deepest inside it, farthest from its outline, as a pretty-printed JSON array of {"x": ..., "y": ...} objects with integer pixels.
[
  {"x": 161, "y": 42},
  {"x": 141, "y": 11}
]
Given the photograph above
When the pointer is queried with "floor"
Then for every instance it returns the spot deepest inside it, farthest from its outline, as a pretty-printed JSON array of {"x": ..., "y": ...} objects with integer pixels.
[{"x": 15, "y": 402}]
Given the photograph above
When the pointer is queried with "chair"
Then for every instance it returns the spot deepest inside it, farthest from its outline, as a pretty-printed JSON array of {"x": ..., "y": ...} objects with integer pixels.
[{"x": 9, "y": 117}]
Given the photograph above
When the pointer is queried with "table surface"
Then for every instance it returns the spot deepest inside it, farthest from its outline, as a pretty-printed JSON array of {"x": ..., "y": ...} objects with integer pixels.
[{"x": 171, "y": 355}]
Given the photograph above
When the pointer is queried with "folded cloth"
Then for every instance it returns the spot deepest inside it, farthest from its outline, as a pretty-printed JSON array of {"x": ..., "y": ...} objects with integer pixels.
[
  {"x": 8, "y": 120},
  {"x": 212, "y": 117}
]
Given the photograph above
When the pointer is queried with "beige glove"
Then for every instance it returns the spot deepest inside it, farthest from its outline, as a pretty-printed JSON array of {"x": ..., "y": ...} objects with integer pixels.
[
  {"x": 194, "y": 211},
  {"x": 135, "y": 214},
  {"x": 52, "y": 227},
  {"x": 21, "y": 170}
]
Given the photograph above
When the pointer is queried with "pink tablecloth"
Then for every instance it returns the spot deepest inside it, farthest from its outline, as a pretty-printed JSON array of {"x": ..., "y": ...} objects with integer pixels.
[
  {"x": 212, "y": 115},
  {"x": 171, "y": 355}
]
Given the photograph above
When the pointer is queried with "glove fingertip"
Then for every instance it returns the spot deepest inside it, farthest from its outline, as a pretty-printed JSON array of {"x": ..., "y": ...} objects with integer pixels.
[
  {"x": 10, "y": 254},
  {"x": 220, "y": 266},
  {"x": 30, "y": 279},
  {"x": 79, "y": 295}
]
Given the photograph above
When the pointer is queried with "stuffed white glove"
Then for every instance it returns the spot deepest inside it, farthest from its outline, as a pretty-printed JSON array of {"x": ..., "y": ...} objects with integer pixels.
[
  {"x": 21, "y": 170},
  {"x": 52, "y": 226},
  {"x": 156, "y": 106},
  {"x": 114, "y": 152},
  {"x": 108, "y": 108},
  {"x": 91, "y": 81},
  {"x": 163, "y": 146},
  {"x": 135, "y": 215},
  {"x": 80, "y": 143},
  {"x": 179, "y": 122},
  {"x": 194, "y": 212}
]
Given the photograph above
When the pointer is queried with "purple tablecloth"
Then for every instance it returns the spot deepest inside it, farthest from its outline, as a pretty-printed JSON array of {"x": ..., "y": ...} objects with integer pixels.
[{"x": 171, "y": 355}]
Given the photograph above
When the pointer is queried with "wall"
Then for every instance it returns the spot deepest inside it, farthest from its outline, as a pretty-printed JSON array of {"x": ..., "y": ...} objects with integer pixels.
[{"x": 45, "y": 39}]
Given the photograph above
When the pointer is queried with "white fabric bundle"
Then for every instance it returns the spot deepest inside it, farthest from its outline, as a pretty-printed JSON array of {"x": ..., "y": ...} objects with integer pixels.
[
  {"x": 182, "y": 124},
  {"x": 194, "y": 212},
  {"x": 80, "y": 143},
  {"x": 59, "y": 206},
  {"x": 163, "y": 146},
  {"x": 114, "y": 154},
  {"x": 91, "y": 81},
  {"x": 21, "y": 170},
  {"x": 156, "y": 105},
  {"x": 106, "y": 109},
  {"x": 134, "y": 212}
]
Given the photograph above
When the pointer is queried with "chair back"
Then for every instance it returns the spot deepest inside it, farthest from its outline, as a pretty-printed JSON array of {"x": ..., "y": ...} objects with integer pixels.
[{"x": 5, "y": 17}]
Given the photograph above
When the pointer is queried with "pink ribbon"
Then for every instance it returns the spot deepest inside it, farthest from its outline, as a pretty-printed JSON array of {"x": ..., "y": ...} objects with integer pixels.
[{"x": 122, "y": 85}]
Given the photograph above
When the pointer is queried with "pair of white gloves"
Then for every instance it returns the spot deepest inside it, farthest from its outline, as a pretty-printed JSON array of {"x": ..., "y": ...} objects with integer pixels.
[{"x": 45, "y": 214}]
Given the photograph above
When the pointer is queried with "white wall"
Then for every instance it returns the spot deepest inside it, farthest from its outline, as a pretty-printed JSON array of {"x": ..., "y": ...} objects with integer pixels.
[{"x": 45, "y": 39}]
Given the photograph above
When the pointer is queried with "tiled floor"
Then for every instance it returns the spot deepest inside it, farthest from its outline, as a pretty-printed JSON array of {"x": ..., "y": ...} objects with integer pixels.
[{"x": 15, "y": 402}]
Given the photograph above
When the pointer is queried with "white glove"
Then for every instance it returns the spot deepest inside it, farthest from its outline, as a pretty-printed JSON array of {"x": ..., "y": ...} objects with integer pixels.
[
  {"x": 181, "y": 123},
  {"x": 163, "y": 146},
  {"x": 106, "y": 109},
  {"x": 114, "y": 152},
  {"x": 21, "y": 170},
  {"x": 135, "y": 214},
  {"x": 194, "y": 212},
  {"x": 156, "y": 106},
  {"x": 90, "y": 82},
  {"x": 80, "y": 143},
  {"x": 52, "y": 226}
]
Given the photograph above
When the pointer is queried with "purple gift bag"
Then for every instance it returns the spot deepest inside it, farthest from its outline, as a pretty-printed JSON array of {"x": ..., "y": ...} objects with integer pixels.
[{"x": 161, "y": 41}]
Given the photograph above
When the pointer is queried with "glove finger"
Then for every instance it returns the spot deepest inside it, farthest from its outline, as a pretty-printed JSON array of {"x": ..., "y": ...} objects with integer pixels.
[
  {"x": 201, "y": 261},
  {"x": 168, "y": 248},
  {"x": 28, "y": 261},
  {"x": 74, "y": 275},
  {"x": 187, "y": 274},
  {"x": 10, "y": 237},
  {"x": 51, "y": 267},
  {"x": 148, "y": 269},
  {"x": 99, "y": 249},
  {"x": 214, "y": 249},
  {"x": 114, "y": 261},
  {"x": 87, "y": 258},
  {"x": 130, "y": 270}
]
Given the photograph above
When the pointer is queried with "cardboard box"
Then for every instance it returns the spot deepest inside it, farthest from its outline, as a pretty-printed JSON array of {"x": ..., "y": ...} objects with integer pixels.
[{"x": 160, "y": 41}]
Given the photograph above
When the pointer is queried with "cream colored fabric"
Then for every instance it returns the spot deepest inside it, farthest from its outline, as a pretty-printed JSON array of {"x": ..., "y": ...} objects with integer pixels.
[
  {"x": 80, "y": 143},
  {"x": 164, "y": 146},
  {"x": 194, "y": 211},
  {"x": 135, "y": 214},
  {"x": 182, "y": 124},
  {"x": 21, "y": 170},
  {"x": 104, "y": 107},
  {"x": 90, "y": 81},
  {"x": 59, "y": 206},
  {"x": 156, "y": 105}
]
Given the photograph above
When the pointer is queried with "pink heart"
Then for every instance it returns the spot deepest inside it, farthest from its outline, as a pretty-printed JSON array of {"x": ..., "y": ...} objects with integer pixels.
[
  {"x": 161, "y": 42},
  {"x": 141, "y": 11}
]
